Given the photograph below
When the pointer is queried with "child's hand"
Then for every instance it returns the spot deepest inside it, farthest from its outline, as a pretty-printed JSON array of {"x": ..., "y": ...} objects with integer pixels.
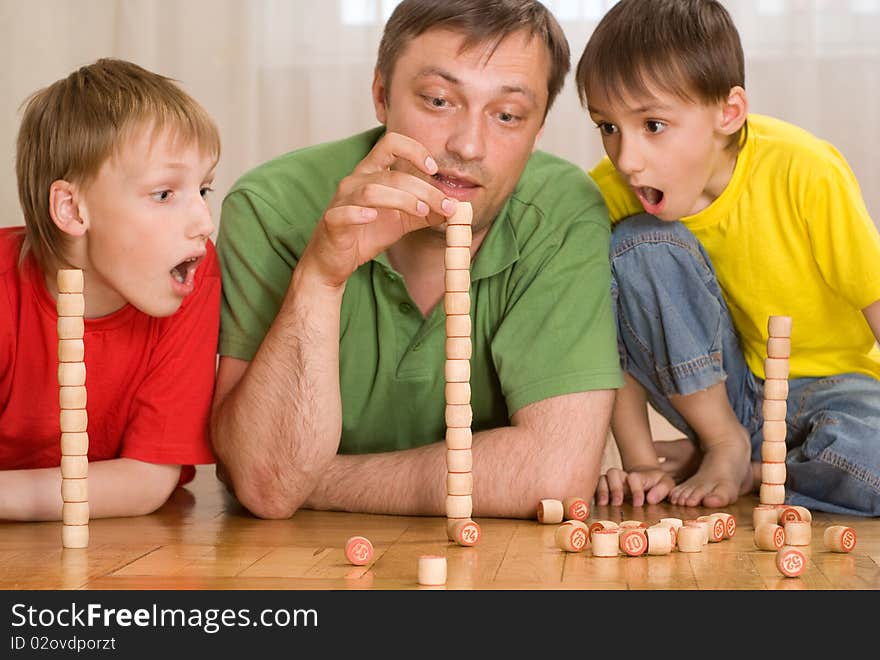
[{"x": 643, "y": 484}]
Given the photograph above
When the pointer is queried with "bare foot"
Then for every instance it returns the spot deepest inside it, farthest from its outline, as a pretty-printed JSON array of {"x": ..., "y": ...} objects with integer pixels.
[
  {"x": 725, "y": 473},
  {"x": 679, "y": 458}
]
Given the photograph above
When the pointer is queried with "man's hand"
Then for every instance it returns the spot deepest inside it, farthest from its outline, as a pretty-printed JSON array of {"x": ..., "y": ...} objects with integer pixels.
[
  {"x": 647, "y": 483},
  {"x": 373, "y": 208}
]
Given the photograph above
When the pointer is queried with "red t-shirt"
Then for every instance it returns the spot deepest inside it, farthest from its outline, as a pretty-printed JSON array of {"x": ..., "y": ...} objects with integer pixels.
[{"x": 149, "y": 381}]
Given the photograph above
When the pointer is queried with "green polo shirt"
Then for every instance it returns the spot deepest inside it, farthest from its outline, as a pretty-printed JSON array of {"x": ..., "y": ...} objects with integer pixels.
[{"x": 542, "y": 323}]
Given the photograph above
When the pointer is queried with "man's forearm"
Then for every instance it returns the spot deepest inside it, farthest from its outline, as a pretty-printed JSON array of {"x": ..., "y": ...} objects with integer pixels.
[
  {"x": 279, "y": 427},
  {"x": 509, "y": 479},
  {"x": 116, "y": 487},
  {"x": 514, "y": 467}
]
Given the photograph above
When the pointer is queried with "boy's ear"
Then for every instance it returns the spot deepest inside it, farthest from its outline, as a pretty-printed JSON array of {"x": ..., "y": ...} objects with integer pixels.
[
  {"x": 380, "y": 97},
  {"x": 734, "y": 111},
  {"x": 64, "y": 208}
]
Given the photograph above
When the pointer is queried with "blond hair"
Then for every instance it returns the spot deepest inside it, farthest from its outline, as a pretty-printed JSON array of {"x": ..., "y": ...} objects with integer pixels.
[{"x": 70, "y": 128}]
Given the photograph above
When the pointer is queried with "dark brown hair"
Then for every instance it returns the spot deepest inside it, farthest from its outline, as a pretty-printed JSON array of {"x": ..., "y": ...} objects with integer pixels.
[
  {"x": 70, "y": 128},
  {"x": 690, "y": 48},
  {"x": 480, "y": 21}
]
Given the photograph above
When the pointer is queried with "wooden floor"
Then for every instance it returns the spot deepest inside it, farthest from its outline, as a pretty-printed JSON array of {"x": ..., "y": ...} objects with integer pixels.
[{"x": 202, "y": 540}]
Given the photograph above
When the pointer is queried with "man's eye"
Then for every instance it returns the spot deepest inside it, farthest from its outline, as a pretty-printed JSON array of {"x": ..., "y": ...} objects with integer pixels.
[
  {"x": 507, "y": 117},
  {"x": 437, "y": 101},
  {"x": 654, "y": 126}
]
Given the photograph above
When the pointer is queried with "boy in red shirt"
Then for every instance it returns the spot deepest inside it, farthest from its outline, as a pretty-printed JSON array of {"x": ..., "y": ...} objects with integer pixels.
[{"x": 113, "y": 164}]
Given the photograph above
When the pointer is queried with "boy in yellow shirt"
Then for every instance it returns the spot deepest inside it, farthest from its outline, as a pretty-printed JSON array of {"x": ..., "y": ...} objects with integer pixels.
[{"x": 731, "y": 218}]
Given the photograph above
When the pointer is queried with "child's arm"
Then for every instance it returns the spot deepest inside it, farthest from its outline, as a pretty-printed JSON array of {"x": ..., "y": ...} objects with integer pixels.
[
  {"x": 872, "y": 314},
  {"x": 117, "y": 487},
  {"x": 641, "y": 467}
]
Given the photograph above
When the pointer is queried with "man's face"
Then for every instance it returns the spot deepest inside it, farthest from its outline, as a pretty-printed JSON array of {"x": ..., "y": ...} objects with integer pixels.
[{"x": 479, "y": 112}]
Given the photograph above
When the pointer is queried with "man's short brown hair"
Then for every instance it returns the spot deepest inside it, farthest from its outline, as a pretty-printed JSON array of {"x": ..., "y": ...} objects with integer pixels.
[
  {"x": 481, "y": 21},
  {"x": 71, "y": 127},
  {"x": 690, "y": 48}
]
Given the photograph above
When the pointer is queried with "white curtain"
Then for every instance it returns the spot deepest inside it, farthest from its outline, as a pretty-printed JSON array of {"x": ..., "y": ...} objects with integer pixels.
[{"x": 282, "y": 74}]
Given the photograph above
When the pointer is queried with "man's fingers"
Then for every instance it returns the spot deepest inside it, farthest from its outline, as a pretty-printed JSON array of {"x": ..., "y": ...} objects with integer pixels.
[
  {"x": 388, "y": 225},
  {"x": 373, "y": 190},
  {"x": 342, "y": 216},
  {"x": 439, "y": 203},
  {"x": 392, "y": 147},
  {"x": 376, "y": 169},
  {"x": 383, "y": 197}
]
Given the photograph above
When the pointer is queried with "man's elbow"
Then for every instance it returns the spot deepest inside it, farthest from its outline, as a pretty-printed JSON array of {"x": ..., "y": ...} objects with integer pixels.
[
  {"x": 264, "y": 498},
  {"x": 573, "y": 478},
  {"x": 256, "y": 490},
  {"x": 267, "y": 508}
]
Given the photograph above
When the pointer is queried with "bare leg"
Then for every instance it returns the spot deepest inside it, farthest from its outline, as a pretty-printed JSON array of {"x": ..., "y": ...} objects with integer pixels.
[{"x": 726, "y": 471}]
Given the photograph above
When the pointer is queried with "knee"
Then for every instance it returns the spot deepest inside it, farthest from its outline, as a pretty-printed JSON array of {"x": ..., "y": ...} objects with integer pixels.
[
  {"x": 645, "y": 229},
  {"x": 834, "y": 464},
  {"x": 644, "y": 248}
]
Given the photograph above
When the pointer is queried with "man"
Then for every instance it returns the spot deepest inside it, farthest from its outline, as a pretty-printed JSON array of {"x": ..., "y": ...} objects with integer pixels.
[{"x": 330, "y": 391}]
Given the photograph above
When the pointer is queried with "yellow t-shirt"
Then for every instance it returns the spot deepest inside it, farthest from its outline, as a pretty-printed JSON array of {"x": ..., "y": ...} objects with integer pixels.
[{"x": 789, "y": 235}]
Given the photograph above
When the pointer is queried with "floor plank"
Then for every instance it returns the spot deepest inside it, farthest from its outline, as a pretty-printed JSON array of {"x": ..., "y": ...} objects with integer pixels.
[{"x": 202, "y": 539}]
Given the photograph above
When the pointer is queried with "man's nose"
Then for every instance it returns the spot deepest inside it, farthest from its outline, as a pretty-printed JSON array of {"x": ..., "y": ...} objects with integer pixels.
[{"x": 467, "y": 139}]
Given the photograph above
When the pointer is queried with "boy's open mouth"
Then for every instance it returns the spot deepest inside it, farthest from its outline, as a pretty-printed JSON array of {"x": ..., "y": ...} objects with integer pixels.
[
  {"x": 651, "y": 195},
  {"x": 184, "y": 272},
  {"x": 651, "y": 198}
]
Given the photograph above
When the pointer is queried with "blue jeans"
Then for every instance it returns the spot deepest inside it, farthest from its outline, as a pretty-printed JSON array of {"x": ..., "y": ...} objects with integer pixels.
[{"x": 675, "y": 336}]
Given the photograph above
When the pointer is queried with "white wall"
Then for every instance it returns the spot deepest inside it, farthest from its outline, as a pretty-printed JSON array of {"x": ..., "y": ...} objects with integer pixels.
[{"x": 280, "y": 74}]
